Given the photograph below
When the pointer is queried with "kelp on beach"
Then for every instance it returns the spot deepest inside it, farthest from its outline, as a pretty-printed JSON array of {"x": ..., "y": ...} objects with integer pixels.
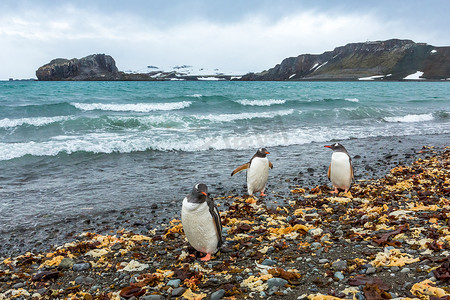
[{"x": 389, "y": 238}]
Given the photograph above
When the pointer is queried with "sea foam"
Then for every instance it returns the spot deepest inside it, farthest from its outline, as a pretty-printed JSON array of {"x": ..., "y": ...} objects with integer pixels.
[
  {"x": 268, "y": 102},
  {"x": 243, "y": 116},
  {"x": 410, "y": 118},
  {"x": 38, "y": 121},
  {"x": 138, "y": 107}
]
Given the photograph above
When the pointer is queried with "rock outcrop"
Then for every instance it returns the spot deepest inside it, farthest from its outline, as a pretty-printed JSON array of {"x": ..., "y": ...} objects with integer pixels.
[
  {"x": 382, "y": 60},
  {"x": 92, "y": 67}
]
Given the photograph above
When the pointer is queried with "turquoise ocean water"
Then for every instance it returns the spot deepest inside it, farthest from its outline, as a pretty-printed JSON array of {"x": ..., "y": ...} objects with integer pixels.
[{"x": 77, "y": 148}]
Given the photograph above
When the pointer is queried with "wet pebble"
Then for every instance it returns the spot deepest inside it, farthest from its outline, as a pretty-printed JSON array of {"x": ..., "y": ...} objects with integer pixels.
[
  {"x": 339, "y": 276},
  {"x": 174, "y": 283},
  {"x": 371, "y": 270},
  {"x": 218, "y": 294},
  {"x": 84, "y": 280},
  {"x": 405, "y": 270},
  {"x": 81, "y": 267},
  {"x": 269, "y": 262},
  {"x": 66, "y": 263},
  {"x": 315, "y": 246},
  {"x": 276, "y": 282},
  {"x": 152, "y": 297},
  {"x": 177, "y": 292},
  {"x": 323, "y": 261},
  {"x": 339, "y": 265},
  {"x": 18, "y": 285}
]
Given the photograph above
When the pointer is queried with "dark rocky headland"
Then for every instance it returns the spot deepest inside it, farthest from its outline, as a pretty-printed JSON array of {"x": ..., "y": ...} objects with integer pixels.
[
  {"x": 387, "y": 60},
  {"x": 391, "y": 60}
]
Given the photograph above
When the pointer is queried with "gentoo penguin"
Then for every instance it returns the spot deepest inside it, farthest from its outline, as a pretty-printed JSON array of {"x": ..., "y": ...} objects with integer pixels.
[
  {"x": 340, "y": 171},
  {"x": 257, "y": 172},
  {"x": 201, "y": 221}
]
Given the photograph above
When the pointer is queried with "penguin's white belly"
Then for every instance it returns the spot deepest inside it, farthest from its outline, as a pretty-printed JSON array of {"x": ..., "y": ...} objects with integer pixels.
[
  {"x": 257, "y": 175},
  {"x": 340, "y": 174},
  {"x": 199, "y": 227}
]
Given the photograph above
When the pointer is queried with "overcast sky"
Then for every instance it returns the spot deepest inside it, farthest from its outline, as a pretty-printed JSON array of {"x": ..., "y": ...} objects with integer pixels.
[{"x": 237, "y": 36}]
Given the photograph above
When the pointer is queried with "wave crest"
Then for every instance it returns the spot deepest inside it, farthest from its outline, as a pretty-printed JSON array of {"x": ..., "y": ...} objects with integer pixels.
[
  {"x": 410, "y": 118},
  {"x": 38, "y": 121},
  {"x": 243, "y": 116},
  {"x": 268, "y": 102},
  {"x": 137, "y": 107}
]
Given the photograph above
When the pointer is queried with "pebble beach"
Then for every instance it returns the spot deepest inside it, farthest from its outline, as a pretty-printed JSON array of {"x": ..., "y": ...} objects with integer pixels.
[{"x": 388, "y": 238}]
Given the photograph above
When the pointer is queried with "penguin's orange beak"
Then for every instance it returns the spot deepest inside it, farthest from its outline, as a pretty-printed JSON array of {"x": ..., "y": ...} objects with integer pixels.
[
  {"x": 204, "y": 193},
  {"x": 327, "y": 146},
  {"x": 267, "y": 152}
]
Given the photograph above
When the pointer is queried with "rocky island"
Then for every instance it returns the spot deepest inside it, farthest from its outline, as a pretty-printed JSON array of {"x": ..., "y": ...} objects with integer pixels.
[
  {"x": 101, "y": 67},
  {"x": 391, "y": 60}
]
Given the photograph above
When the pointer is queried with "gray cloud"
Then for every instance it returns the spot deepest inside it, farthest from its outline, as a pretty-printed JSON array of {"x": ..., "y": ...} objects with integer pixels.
[{"x": 239, "y": 36}]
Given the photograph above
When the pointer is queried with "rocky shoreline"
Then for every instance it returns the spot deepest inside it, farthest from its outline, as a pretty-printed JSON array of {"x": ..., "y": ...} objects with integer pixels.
[{"x": 389, "y": 239}]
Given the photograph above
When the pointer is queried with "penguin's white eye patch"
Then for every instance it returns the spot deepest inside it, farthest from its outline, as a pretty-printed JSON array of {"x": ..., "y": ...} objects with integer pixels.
[
  {"x": 196, "y": 186},
  {"x": 336, "y": 144}
]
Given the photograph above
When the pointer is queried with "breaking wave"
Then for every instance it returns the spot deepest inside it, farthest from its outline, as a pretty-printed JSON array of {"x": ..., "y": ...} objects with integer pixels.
[
  {"x": 137, "y": 107},
  {"x": 243, "y": 116},
  {"x": 268, "y": 102},
  {"x": 38, "y": 121},
  {"x": 410, "y": 118}
]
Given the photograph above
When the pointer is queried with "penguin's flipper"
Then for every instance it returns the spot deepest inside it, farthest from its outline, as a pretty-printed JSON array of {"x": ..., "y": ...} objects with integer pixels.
[
  {"x": 329, "y": 171},
  {"x": 270, "y": 165},
  {"x": 216, "y": 219},
  {"x": 352, "y": 176},
  {"x": 240, "y": 168}
]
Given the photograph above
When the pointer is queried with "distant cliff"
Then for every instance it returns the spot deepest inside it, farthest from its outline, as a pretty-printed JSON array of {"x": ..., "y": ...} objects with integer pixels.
[{"x": 382, "y": 60}]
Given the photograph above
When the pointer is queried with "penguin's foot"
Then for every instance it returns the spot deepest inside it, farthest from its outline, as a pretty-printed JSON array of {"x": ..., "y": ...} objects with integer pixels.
[
  {"x": 206, "y": 257},
  {"x": 262, "y": 194},
  {"x": 336, "y": 191}
]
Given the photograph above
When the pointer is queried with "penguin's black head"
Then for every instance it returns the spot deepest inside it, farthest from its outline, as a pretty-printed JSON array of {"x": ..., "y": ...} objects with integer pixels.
[
  {"x": 337, "y": 147},
  {"x": 199, "y": 193},
  {"x": 262, "y": 152}
]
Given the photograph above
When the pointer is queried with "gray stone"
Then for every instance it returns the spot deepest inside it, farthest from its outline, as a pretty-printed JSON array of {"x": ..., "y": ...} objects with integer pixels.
[
  {"x": 95, "y": 287},
  {"x": 323, "y": 261},
  {"x": 18, "y": 285},
  {"x": 152, "y": 297},
  {"x": 371, "y": 270},
  {"x": 339, "y": 276},
  {"x": 174, "y": 283},
  {"x": 395, "y": 269},
  {"x": 339, "y": 265},
  {"x": 218, "y": 294},
  {"x": 84, "y": 280},
  {"x": 178, "y": 291},
  {"x": 272, "y": 282},
  {"x": 405, "y": 270},
  {"x": 66, "y": 263},
  {"x": 315, "y": 245},
  {"x": 81, "y": 267},
  {"x": 273, "y": 290},
  {"x": 269, "y": 262}
]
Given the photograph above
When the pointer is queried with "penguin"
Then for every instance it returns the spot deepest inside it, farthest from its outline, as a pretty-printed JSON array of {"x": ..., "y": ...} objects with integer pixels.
[
  {"x": 201, "y": 221},
  {"x": 257, "y": 172},
  {"x": 340, "y": 171}
]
